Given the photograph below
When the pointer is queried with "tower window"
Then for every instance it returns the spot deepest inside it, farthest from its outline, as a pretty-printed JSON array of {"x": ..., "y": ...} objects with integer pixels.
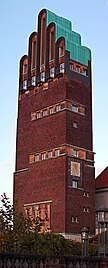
[
  {"x": 25, "y": 84},
  {"x": 50, "y": 154},
  {"x": 71, "y": 67},
  {"x": 45, "y": 112},
  {"x": 72, "y": 219},
  {"x": 33, "y": 55},
  {"x": 34, "y": 81},
  {"x": 84, "y": 71},
  {"x": 88, "y": 194},
  {"x": 51, "y": 44},
  {"x": 52, "y": 72},
  {"x": 76, "y": 219},
  {"x": 57, "y": 152},
  {"x": 75, "y": 152},
  {"x": 36, "y": 157},
  {"x": 75, "y": 124},
  {"x": 62, "y": 67},
  {"x": 88, "y": 210},
  {"x": 74, "y": 184},
  {"x": 43, "y": 156},
  {"x": 24, "y": 68},
  {"x": 38, "y": 115},
  {"x": 58, "y": 107},
  {"x": 51, "y": 110},
  {"x": 77, "y": 69},
  {"x": 42, "y": 76},
  {"x": 74, "y": 108}
]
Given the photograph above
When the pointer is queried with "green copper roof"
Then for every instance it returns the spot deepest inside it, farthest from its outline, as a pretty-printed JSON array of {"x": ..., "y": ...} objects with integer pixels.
[{"x": 72, "y": 39}]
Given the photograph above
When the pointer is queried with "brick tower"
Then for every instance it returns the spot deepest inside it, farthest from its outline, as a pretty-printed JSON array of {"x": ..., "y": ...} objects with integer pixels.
[{"x": 54, "y": 175}]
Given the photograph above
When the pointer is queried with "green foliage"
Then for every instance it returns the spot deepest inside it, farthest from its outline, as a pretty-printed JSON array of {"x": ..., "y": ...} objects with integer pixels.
[
  {"x": 93, "y": 246},
  {"x": 22, "y": 235}
]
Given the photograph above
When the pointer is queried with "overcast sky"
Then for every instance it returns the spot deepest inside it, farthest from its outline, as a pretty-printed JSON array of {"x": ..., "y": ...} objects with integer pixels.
[{"x": 18, "y": 19}]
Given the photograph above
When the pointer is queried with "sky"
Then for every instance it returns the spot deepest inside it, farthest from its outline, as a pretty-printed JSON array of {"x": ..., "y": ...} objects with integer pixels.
[{"x": 18, "y": 19}]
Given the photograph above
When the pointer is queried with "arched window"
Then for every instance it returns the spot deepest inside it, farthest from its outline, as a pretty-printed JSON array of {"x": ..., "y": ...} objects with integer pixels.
[
  {"x": 42, "y": 38},
  {"x": 23, "y": 73},
  {"x": 51, "y": 43},
  {"x": 33, "y": 52},
  {"x": 25, "y": 67},
  {"x": 61, "y": 48}
]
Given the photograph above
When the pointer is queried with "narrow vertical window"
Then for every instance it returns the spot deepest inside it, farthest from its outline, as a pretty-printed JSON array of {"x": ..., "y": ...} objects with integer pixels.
[
  {"x": 25, "y": 84},
  {"x": 51, "y": 45},
  {"x": 61, "y": 49},
  {"x": 50, "y": 154},
  {"x": 57, "y": 152},
  {"x": 58, "y": 107},
  {"x": 33, "y": 65},
  {"x": 43, "y": 156},
  {"x": 42, "y": 41},
  {"x": 34, "y": 81},
  {"x": 62, "y": 66}
]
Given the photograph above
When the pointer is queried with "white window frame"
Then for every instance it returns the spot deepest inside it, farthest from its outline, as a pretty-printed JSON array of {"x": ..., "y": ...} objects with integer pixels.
[
  {"x": 36, "y": 157},
  {"x": 43, "y": 156},
  {"x": 75, "y": 152},
  {"x": 42, "y": 76},
  {"x": 58, "y": 107},
  {"x": 57, "y": 152},
  {"x": 25, "y": 84},
  {"x": 34, "y": 80},
  {"x": 38, "y": 115},
  {"x": 77, "y": 69},
  {"x": 45, "y": 112},
  {"x": 75, "y": 184},
  {"x": 74, "y": 108},
  {"x": 71, "y": 66},
  {"x": 50, "y": 155},
  {"x": 52, "y": 72},
  {"x": 51, "y": 110},
  {"x": 62, "y": 67},
  {"x": 75, "y": 124}
]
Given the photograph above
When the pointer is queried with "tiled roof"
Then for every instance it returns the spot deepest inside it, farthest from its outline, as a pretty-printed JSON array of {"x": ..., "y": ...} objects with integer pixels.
[{"x": 102, "y": 180}]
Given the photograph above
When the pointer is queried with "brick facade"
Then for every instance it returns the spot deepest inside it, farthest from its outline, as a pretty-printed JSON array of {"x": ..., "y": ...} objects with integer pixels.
[{"x": 65, "y": 178}]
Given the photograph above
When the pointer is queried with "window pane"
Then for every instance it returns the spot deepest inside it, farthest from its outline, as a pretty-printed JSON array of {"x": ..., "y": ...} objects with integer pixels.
[
  {"x": 58, "y": 107},
  {"x": 51, "y": 110},
  {"x": 25, "y": 84},
  {"x": 36, "y": 157},
  {"x": 43, "y": 76},
  {"x": 38, "y": 115},
  {"x": 33, "y": 80},
  {"x": 57, "y": 152},
  {"x": 43, "y": 156},
  {"x": 45, "y": 112},
  {"x": 62, "y": 68},
  {"x": 74, "y": 108},
  {"x": 52, "y": 72},
  {"x": 50, "y": 154}
]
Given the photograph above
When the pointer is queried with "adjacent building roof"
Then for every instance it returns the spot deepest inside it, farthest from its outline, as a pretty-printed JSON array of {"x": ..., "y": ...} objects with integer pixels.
[{"x": 102, "y": 180}]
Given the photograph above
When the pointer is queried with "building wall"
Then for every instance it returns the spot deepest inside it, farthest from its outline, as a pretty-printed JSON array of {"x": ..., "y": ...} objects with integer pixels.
[
  {"x": 47, "y": 180},
  {"x": 44, "y": 181},
  {"x": 101, "y": 197}
]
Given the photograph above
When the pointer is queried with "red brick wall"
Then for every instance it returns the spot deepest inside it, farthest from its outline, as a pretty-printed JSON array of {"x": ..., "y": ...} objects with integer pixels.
[
  {"x": 76, "y": 201},
  {"x": 44, "y": 181},
  {"x": 45, "y": 133},
  {"x": 47, "y": 180},
  {"x": 80, "y": 92}
]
